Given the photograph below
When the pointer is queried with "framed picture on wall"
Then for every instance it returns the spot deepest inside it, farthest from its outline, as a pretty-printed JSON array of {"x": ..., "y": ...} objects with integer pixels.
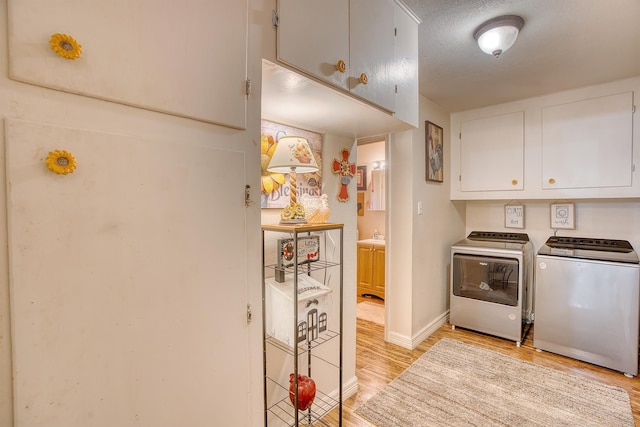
[
  {"x": 434, "y": 151},
  {"x": 514, "y": 216},
  {"x": 563, "y": 215},
  {"x": 361, "y": 178},
  {"x": 274, "y": 189}
]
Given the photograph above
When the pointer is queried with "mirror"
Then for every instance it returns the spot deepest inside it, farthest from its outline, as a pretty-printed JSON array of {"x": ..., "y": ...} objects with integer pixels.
[{"x": 377, "y": 191}]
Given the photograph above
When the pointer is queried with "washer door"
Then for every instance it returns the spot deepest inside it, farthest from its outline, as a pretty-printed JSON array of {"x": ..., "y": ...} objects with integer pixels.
[{"x": 491, "y": 279}]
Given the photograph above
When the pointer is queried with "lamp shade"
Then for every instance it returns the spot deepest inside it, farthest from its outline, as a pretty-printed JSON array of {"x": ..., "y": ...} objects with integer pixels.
[
  {"x": 292, "y": 152},
  {"x": 498, "y": 34}
]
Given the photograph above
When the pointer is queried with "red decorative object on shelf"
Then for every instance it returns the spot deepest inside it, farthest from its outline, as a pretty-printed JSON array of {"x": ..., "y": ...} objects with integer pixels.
[{"x": 306, "y": 391}]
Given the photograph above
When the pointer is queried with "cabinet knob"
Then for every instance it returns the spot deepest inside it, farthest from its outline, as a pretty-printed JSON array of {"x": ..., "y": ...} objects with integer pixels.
[
  {"x": 364, "y": 79},
  {"x": 552, "y": 181},
  {"x": 341, "y": 66},
  {"x": 514, "y": 182}
]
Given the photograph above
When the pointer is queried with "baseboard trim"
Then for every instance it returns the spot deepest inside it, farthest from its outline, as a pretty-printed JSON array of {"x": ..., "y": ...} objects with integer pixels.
[
  {"x": 349, "y": 388},
  {"x": 412, "y": 342}
]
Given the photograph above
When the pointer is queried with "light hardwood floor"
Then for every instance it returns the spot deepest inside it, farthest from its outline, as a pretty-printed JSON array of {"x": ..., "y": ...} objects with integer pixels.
[{"x": 378, "y": 362}]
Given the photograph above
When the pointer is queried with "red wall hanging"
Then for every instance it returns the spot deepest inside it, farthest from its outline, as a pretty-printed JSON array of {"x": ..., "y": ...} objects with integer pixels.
[{"x": 347, "y": 171}]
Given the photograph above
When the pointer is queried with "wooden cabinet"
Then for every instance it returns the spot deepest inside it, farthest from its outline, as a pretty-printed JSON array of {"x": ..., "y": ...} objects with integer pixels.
[
  {"x": 352, "y": 44},
  {"x": 371, "y": 269},
  {"x": 588, "y": 143},
  {"x": 492, "y": 153}
]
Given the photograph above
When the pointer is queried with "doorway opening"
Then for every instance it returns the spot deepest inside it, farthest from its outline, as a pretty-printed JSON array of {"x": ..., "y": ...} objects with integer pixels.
[{"x": 371, "y": 230}]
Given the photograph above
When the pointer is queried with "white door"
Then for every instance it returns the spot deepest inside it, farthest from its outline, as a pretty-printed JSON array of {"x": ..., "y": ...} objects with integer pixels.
[
  {"x": 187, "y": 58},
  {"x": 372, "y": 51},
  {"x": 313, "y": 36},
  {"x": 492, "y": 153},
  {"x": 589, "y": 143},
  {"x": 405, "y": 70},
  {"x": 127, "y": 281}
]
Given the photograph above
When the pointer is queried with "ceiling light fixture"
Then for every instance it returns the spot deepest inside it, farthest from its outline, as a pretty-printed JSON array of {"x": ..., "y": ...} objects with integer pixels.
[{"x": 498, "y": 34}]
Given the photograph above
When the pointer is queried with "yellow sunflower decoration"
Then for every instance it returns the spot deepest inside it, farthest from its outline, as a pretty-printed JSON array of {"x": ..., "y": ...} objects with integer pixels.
[
  {"x": 270, "y": 180},
  {"x": 61, "y": 162},
  {"x": 65, "y": 46}
]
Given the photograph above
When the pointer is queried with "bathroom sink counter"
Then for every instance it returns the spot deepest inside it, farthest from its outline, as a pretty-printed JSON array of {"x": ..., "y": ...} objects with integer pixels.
[{"x": 379, "y": 242}]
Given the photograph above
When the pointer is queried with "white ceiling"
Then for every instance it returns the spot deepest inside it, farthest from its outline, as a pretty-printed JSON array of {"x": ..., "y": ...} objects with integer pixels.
[{"x": 565, "y": 44}]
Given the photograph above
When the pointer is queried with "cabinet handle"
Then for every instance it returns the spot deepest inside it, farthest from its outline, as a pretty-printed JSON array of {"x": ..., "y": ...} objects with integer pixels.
[
  {"x": 341, "y": 66},
  {"x": 552, "y": 181},
  {"x": 364, "y": 79},
  {"x": 514, "y": 182}
]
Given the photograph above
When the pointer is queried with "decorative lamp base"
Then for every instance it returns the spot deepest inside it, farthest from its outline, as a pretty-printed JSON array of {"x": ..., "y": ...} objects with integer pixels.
[{"x": 293, "y": 214}]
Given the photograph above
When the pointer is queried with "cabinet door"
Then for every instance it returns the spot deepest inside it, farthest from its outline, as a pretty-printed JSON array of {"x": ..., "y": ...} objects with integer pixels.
[
  {"x": 588, "y": 144},
  {"x": 372, "y": 51},
  {"x": 405, "y": 75},
  {"x": 313, "y": 36},
  {"x": 492, "y": 153},
  {"x": 365, "y": 259},
  {"x": 377, "y": 276},
  {"x": 188, "y": 60},
  {"x": 115, "y": 319}
]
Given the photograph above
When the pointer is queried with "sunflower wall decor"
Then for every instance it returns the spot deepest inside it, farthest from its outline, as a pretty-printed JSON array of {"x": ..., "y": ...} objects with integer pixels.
[
  {"x": 61, "y": 162},
  {"x": 274, "y": 187},
  {"x": 270, "y": 181},
  {"x": 65, "y": 46}
]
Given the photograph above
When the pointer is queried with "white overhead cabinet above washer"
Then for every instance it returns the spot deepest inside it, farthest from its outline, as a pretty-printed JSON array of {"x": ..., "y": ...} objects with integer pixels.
[
  {"x": 575, "y": 144},
  {"x": 492, "y": 153},
  {"x": 588, "y": 143}
]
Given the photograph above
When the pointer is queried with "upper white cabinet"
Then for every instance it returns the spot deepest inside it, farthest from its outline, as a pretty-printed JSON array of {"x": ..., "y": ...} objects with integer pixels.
[
  {"x": 492, "y": 153},
  {"x": 578, "y": 144},
  {"x": 588, "y": 143},
  {"x": 371, "y": 54},
  {"x": 313, "y": 36},
  {"x": 352, "y": 45},
  {"x": 188, "y": 60},
  {"x": 405, "y": 68}
]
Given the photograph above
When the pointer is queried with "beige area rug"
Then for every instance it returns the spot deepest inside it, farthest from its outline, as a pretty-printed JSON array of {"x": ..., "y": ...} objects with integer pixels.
[
  {"x": 456, "y": 384},
  {"x": 370, "y": 311}
]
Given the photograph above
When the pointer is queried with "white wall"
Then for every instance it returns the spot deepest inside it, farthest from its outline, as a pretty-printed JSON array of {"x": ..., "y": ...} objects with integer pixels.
[
  {"x": 419, "y": 245},
  {"x": 612, "y": 219}
]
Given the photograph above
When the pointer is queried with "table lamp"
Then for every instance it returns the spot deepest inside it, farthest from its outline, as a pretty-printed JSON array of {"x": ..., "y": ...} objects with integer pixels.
[{"x": 292, "y": 155}]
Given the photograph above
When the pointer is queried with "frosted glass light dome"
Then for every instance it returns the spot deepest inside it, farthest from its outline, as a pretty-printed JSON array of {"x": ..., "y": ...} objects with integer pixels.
[{"x": 498, "y": 34}]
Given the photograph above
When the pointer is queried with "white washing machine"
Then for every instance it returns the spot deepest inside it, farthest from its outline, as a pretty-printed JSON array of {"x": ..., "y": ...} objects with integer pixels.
[{"x": 586, "y": 301}]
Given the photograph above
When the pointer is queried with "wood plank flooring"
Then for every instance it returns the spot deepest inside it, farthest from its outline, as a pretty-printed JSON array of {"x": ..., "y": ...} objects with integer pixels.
[{"x": 378, "y": 363}]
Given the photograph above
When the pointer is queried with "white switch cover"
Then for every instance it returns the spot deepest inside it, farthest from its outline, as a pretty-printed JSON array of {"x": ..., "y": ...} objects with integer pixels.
[{"x": 419, "y": 208}]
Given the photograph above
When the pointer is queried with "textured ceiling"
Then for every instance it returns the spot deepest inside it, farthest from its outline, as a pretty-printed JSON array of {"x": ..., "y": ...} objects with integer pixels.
[{"x": 564, "y": 44}]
